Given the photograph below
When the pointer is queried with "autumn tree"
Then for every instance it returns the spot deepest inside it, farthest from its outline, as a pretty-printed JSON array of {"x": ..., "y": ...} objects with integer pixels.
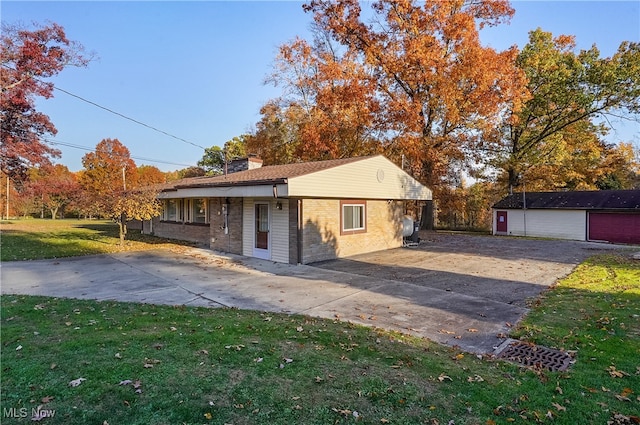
[
  {"x": 110, "y": 180},
  {"x": 413, "y": 79},
  {"x": 569, "y": 92},
  {"x": 55, "y": 188},
  {"x": 186, "y": 173},
  {"x": 149, "y": 175},
  {"x": 28, "y": 59},
  {"x": 215, "y": 157}
]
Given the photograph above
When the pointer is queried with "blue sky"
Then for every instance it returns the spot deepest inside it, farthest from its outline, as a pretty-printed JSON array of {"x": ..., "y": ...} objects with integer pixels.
[{"x": 196, "y": 69}]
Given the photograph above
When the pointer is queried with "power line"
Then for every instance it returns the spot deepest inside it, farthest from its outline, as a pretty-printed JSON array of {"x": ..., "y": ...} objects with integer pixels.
[
  {"x": 128, "y": 118},
  {"x": 112, "y": 111},
  {"x": 71, "y": 145}
]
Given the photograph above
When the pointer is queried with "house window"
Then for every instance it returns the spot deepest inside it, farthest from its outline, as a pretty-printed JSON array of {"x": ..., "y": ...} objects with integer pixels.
[
  {"x": 199, "y": 210},
  {"x": 171, "y": 210},
  {"x": 353, "y": 217}
]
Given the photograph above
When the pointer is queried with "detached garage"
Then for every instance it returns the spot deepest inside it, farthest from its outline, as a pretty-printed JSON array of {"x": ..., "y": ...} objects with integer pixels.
[{"x": 603, "y": 216}]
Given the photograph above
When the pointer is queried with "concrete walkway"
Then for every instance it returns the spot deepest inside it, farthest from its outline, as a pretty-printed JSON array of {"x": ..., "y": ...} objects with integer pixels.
[{"x": 199, "y": 277}]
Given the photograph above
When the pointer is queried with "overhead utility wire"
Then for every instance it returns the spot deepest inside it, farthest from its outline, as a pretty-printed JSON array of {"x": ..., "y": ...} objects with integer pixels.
[
  {"x": 71, "y": 145},
  {"x": 128, "y": 118},
  {"x": 111, "y": 110}
]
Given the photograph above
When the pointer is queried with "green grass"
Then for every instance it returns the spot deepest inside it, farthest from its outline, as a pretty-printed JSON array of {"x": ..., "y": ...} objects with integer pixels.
[
  {"x": 229, "y": 366},
  {"x": 35, "y": 239}
]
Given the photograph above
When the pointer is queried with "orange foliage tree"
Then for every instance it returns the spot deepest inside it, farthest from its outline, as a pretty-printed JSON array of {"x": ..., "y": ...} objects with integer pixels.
[
  {"x": 414, "y": 80},
  {"x": 110, "y": 181}
]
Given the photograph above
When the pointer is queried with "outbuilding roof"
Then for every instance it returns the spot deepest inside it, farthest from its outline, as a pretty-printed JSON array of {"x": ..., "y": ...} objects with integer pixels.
[{"x": 589, "y": 200}]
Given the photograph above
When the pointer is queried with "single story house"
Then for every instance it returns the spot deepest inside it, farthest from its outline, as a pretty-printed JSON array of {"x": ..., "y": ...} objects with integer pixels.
[
  {"x": 603, "y": 215},
  {"x": 294, "y": 213}
]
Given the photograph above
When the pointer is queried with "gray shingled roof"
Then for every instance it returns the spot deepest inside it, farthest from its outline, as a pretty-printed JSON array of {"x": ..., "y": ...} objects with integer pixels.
[
  {"x": 269, "y": 174},
  {"x": 590, "y": 200}
]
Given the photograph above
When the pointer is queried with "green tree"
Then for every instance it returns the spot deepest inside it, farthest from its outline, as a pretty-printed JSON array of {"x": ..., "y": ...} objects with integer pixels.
[
  {"x": 215, "y": 157},
  {"x": 568, "y": 92}
]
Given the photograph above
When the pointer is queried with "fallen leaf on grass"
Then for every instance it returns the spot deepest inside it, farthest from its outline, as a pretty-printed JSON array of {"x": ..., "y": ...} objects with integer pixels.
[
  {"x": 444, "y": 377},
  {"x": 616, "y": 373},
  {"x": 476, "y": 378},
  {"x": 118, "y": 356},
  {"x": 343, "y": 412},
  {"x": 76, "y": 382},
  {"x": 19, "y": 347},
  {"x": 559, "y": 408},
  {"x": 149, "y": 363},
  {"x": 46, "y": 399}
]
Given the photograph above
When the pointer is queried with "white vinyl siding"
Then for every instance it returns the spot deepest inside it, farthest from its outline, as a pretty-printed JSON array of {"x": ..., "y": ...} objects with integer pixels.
[
  {"x": 560, "y": 224},
  {"x": 280, "y": 231},
  {"x": 370, "y": 178},
  {"x": 247, "y": 227}
]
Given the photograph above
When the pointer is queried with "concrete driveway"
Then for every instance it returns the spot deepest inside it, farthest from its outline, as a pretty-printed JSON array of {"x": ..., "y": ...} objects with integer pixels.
[{"x": 453, "y": 289}]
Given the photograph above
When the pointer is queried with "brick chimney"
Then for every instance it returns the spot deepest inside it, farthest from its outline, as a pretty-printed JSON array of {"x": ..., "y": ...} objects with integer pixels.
[{"x": 243, "y": 164}]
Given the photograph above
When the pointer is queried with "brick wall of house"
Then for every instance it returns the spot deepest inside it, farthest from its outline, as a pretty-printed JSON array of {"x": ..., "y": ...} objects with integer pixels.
[
  {"x": 321, "y": 232},
  {"x": 232, "y": 240},
  {"x": 198, "y": 233}
]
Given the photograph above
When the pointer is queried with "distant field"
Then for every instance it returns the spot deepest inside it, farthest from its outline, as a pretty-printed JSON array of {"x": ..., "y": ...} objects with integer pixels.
[{"x": 32, "y": 239}]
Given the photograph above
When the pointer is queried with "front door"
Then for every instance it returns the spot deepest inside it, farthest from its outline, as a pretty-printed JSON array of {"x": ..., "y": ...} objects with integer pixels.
[
  {"x": 501, "y": 222},
  {"x": 261, "y": 248}
]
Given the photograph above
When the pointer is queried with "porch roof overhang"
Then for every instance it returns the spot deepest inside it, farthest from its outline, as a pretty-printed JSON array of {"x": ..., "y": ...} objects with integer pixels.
[{"x": 275, "y": 188}]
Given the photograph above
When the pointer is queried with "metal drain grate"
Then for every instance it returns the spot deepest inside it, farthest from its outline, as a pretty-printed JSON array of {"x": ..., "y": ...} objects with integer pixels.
[{"x": 535, "y": 356}]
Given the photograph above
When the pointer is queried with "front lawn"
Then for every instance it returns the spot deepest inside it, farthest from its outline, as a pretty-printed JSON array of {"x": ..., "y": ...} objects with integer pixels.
[
  {"x": 34, "y": 239},
  {"x": 83, "y": 362}
]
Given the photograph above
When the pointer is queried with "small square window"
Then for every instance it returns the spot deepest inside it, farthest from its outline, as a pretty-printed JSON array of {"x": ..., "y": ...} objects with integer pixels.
[{"x": 353, "y": 217}]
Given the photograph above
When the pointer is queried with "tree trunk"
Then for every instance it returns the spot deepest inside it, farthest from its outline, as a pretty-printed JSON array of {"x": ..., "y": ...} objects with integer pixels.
[
  {"x": 123, "y": 229},
  {"x": 54, "y": 213}
]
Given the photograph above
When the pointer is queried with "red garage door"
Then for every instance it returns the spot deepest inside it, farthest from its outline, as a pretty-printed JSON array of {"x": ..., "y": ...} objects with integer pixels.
[{"x": 615, "y": 227}]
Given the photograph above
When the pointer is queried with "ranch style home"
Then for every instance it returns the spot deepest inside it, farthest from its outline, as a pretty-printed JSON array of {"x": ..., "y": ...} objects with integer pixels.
[
  {"x": 294, "y": 213},
  {"x": 602, "y": 215}
]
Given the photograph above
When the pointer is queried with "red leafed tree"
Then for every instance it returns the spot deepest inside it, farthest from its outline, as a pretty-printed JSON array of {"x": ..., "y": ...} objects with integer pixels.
[
  {"x": 28, "y": 59},
  {"x": 55, "y": 188}
]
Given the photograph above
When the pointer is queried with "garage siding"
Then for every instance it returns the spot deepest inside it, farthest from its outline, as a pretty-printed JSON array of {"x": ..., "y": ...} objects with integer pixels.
[
  {"x": 561, "y": 224},
  {"x": 614, "y": 227}
]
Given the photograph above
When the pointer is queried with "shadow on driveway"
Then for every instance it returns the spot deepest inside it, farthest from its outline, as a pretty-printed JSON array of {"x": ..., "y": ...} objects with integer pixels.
[{"x": 441, "y": 291}]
